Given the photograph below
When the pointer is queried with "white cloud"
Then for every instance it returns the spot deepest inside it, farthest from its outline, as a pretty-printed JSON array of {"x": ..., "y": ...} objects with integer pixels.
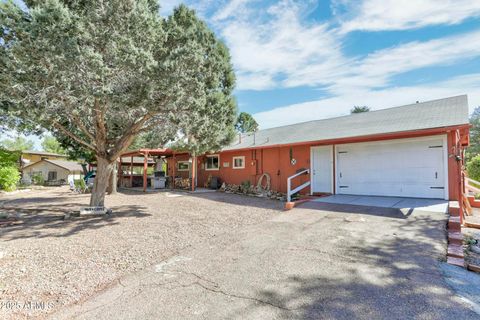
[
  {"x": 281, "y": 50},
  {"x": 376, "y": 99},
  {"x": 378, "y": 68},
  {"x": 376, "y": 15},
  {"x": 280, "y": 46},
  {"x": 233, "y": 8}
]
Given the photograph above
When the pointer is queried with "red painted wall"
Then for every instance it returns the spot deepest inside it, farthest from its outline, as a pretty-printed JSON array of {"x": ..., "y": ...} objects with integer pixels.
[{"x": 276, "y": 161}]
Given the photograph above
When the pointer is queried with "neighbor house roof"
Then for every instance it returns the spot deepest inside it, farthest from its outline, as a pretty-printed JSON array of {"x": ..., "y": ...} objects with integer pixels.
[
  {"x": 440, "y": 113},
  {"x": 68, "y": 165},
  {"x": 43, "y": 153}
]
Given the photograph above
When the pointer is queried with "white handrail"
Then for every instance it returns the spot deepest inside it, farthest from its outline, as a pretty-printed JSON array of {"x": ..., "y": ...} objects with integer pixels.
[
  {"x": 469, "y": 186},
  {"x": 289, "y": 184}
]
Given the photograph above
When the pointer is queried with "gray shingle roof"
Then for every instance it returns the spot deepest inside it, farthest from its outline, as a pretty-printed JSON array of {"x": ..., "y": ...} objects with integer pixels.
[
  {"x": 425, "y": 115},
  {"x": 43, "y": 153},
  {"x": 69, "y": 165}
]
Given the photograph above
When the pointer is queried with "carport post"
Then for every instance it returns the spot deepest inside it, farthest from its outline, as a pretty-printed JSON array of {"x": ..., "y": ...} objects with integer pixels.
[
  {"x": 145, "y": 155},
  {"x": 131, "y": 172},
  {"x": 194, "y": 165},
  {"x": 173, "y": 171}
]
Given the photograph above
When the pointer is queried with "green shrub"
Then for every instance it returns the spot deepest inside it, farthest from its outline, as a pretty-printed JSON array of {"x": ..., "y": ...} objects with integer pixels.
[
  {"x": 79, "y": 184},
  {"x": 473, "y": 168},
  {"x": 38, "y": 179},
  {"x": 9, "y": 177},
  {"x": 246, "y": 186}
]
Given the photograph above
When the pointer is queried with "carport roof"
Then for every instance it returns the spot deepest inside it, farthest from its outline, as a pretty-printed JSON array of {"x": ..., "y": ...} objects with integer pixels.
[{"x": 447, "y": 112}]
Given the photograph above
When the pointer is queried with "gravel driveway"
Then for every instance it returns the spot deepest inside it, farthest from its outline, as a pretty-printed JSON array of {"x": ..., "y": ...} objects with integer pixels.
[
  {"x": 318, "y": 261},
  {"x": 47, "y": 262}
]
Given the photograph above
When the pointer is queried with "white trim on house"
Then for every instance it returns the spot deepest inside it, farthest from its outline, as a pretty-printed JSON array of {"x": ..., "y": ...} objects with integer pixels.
[
  {"x": 188, "y": 165},
  {"x": 236, "y": 158},
  {"x": 218, "y": 162}
]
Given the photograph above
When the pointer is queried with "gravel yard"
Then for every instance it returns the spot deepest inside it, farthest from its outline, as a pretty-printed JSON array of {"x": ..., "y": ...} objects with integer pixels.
[{"x": 45, "y": 259}]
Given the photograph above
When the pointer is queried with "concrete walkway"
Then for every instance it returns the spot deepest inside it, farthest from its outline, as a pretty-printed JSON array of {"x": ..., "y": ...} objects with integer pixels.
[
  {"x": 432, "y": 205},
  {"x": 318, "y": 261}
]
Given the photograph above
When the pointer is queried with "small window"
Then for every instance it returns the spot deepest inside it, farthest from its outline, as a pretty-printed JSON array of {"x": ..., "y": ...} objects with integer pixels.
[
  {"x": 52, "y": 175},
  {"x": 212, "y": 162},
  {"x": 183, "y": 165},
  {"x": 238, "y": 162}
]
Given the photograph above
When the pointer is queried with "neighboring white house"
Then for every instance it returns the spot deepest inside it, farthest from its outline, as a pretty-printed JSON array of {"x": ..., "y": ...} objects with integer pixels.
[{"x": 58, "y": 171}]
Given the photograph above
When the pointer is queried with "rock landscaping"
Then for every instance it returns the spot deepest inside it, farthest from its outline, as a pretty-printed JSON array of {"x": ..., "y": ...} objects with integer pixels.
[
  {"x": 472, "y": 250},
  {"x": 52, "y": 256}
]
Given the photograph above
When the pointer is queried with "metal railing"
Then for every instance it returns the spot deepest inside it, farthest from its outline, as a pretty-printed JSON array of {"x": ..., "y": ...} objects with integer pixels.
[{"x": 290, "y": 192}]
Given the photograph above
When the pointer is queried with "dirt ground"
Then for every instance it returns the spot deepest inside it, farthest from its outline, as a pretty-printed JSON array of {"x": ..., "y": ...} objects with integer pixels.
[{"x": 47, "y": 262}]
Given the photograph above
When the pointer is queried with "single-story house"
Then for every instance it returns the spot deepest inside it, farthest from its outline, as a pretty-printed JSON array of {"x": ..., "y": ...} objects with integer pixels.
[
  {"x": 415, "y": 150},
  {"x": 54, "y": 171}
]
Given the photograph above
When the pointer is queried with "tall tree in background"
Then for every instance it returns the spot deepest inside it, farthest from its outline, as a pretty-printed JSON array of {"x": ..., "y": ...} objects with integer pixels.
[
  {"x": 359, "y": 109},
  {"x": 246, "y": 123},
  {"x": 102, "y": 72},
  {"x": 50, "y": 144},
  {"x": 17, "y": 144},
  {"x": 474, "y": 148}
]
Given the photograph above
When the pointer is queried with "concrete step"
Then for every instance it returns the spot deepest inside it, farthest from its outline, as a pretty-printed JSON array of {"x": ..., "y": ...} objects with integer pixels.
[
  {"x": 454, "y": 224},
  {"x": 455, "y": 251},
  {"x": 456, "y": 261},
  {"x": 455, "y": 238}
]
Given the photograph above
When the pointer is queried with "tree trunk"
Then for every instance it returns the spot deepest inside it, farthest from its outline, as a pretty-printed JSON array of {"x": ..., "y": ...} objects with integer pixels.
[
  {"x": 104, "y": 170},
  {"x": 112, "y": 183}
]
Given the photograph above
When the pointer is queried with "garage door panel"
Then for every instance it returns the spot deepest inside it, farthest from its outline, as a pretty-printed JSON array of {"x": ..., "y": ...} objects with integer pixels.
[{"x": 410, "y": 168}]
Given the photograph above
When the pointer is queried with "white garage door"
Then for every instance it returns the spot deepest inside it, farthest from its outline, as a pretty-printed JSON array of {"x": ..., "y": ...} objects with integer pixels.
[{"x": 404, "y": 167}]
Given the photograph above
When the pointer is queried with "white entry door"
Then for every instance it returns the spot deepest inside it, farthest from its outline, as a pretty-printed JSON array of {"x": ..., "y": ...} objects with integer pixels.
[
  {"x": 322, "y": 169},
  {"x": 405, "y": 167}
]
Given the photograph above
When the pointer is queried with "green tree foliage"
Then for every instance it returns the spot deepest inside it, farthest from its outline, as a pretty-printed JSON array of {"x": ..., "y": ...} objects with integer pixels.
[
  {"x": 50, "y": 144},
  {"x": 102, "y": 72},
  {"x": 246, "y": 123},
  {"x": 473, "y": 168},
  {"x": 9, "y": 177},
  {"x": 474, "y": 148},
  {"x": 9, "y": 158},
  {"x": 359, "y": 109},
  {"x": 18, "y": 143}
]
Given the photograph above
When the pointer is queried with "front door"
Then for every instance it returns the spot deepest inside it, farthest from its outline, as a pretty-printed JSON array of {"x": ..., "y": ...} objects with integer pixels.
[{"x": 322, "y": 169}]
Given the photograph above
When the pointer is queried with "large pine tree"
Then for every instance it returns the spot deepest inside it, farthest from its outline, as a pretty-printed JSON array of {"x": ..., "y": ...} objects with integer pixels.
[{"x": 101, "y": 72}]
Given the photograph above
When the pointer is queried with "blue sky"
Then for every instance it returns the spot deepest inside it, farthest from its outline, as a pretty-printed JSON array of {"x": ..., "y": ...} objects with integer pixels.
[{"x": 303, "y": 60}]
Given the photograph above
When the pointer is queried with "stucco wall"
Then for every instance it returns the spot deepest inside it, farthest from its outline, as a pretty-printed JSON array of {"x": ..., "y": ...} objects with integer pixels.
[
  {"x": 44, "y": 167},
  {"x": 277, "y": 163}
]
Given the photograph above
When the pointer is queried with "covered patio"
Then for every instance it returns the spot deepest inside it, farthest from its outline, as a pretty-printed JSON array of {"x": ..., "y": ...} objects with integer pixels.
[{"x": 151, "y": 169}]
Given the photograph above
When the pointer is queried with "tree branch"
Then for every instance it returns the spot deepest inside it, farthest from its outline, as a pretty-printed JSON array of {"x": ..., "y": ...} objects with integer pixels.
[
  {"x": 82, "y": 127},
  {"x": 74, "y": 137},
  {"x": 129, "y": 135}
]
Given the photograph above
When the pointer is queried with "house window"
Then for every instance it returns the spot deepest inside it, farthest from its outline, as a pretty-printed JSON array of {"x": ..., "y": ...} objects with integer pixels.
[
  {"x": 52, "y": 175},
  {"x": 183, "y": 165},
  {"x": 212, "y": 162},
  {"x": 238, "y": 162}
]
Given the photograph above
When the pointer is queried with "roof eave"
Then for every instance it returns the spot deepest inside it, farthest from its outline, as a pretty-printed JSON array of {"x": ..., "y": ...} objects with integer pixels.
[{"x": 364, "y": 138}]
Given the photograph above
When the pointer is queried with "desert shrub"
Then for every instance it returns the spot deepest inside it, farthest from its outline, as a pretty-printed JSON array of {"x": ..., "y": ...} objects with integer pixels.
[
  {"x": 80, "y": 184},
  {"x": 38, "y": 179},
  {"x": 246, "y": 186},
  {"x": 473, "y": 168},
  {"x": 9, "y": 177}
]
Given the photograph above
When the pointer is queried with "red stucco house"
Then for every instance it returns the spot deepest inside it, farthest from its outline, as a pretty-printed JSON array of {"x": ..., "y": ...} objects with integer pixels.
[{"x": 414, "y": 150}]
